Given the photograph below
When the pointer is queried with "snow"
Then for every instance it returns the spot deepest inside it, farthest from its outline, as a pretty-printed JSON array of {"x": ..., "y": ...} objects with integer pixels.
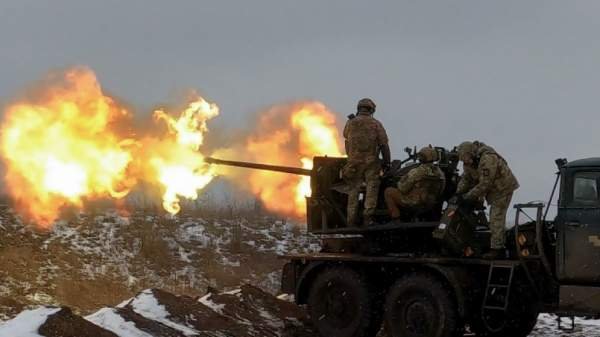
[
  {"x": 107, "y": 248},
  {"x": 236, "y": 292},
  {"x": 194, "y": 232},
  {"x": 226, "y": 262},
  {"x": 147, "y": 305},
  {"x": 40, "y": 298},
  {"x": 124, "y": 303},
  {"x": 590, "y": 322},
  {"x": 27, "y": 323},
  {"x": 131, "y": 280},
  {"x": 212, "y": 305},
  {"x": 286, "y": 297},
  {"x": 547, "y": 326},
  {"x": 183, "y": 255},
  {"x": 272, "y": 321},
  {"x": 281, "y": 248},
  {"x": 109, "y": 319}
]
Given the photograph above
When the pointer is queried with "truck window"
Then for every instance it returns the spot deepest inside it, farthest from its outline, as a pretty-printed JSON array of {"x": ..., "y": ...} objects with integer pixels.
[{"x": 585, "y": 189}]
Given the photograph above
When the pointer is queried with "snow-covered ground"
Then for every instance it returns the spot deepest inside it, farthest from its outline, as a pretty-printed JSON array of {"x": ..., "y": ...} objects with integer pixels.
[
  {"x": 109, "y": 319},
  {"x": 547, "y": 326},
  {"x": 244, "y": 312},
  {"x": 96, "y": 261},
  {"x": 27, "y": 323}
]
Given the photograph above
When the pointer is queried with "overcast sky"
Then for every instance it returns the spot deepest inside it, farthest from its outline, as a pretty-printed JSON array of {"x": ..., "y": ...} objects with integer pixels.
[{"x": 522, "y": 76}]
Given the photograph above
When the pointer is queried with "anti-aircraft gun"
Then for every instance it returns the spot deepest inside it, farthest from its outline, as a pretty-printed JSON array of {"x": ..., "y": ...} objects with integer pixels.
[
  {"x": 326, "y": 207},
  {"x": 327, "y": 215}
]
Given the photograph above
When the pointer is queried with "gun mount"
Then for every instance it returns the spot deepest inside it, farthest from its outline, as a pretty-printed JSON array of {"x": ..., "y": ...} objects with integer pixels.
[{"x": 326, "y": 206}]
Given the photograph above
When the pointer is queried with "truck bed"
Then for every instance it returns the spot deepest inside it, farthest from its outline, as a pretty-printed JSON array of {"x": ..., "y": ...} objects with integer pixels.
[
  {"x": 389, "y": 226},
  {"x": 396, "y": 258}
]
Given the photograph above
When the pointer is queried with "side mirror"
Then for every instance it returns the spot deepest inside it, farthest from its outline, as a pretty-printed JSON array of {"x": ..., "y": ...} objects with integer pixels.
[{"x": 560, "y": 163}]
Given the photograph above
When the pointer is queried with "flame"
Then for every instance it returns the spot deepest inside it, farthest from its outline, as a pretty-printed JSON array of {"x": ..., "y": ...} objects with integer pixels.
[
  {"x": 175, "y": 161},
  {"x": 290, "y": 134},
  {"x": 69, "y": 143},
  {"x": 64, "y": 146},
  {"x": 318, "y": 136}
]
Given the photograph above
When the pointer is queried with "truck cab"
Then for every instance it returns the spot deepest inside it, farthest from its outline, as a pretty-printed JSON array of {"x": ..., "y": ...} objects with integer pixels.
[{"x": 577, "y": 225}]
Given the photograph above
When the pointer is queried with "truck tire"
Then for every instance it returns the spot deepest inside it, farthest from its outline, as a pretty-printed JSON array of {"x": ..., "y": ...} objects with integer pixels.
[
  {"x": 341, "y": 304},
  {"x": 419, "y": 305},
  {"x": 524, "y": 325},
  {"x": 519, "y": 325}
]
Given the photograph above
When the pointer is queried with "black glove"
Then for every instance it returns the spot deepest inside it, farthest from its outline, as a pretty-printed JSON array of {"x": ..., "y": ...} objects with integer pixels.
[{"x": 464, "y": 200}]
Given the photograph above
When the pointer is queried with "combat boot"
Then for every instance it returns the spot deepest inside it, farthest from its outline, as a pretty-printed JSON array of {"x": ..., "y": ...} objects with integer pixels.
[{"x": 495, "y": 254}]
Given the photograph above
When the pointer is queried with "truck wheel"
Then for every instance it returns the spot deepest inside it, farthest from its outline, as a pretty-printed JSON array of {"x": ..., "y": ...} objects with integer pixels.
[
  {"x": 420, "y": 306},
  {"x": 341, "y": 304},
  {"x": 520, "y": 325},
  {"x": 524, "y": 325}
]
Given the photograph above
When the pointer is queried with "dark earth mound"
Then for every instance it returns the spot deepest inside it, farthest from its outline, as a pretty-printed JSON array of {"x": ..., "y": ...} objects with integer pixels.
[
  {"x": 244, "y": 312},
  {"x": 66, "y": 324}
]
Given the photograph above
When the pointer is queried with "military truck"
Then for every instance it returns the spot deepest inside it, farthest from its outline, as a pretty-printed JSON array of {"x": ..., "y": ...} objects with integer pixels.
[{"x": 414, "y": 276}]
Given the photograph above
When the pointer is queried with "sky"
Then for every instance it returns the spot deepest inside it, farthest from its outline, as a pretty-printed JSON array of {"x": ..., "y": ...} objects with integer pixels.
[{"x": 521, "y": 76}]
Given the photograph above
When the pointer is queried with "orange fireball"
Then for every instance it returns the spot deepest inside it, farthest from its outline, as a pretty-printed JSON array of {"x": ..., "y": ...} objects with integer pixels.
[
  {"x": 62, "y": 147},
  {"x": 289, "y": 134}
]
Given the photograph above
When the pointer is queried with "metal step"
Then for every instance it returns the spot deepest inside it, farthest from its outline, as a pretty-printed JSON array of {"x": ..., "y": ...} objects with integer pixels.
[
  {"x": 494, "y": 308},
  {"x": 498, "y": 285}
]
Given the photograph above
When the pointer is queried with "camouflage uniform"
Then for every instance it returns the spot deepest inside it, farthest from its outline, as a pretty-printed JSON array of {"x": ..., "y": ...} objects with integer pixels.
[
  {"x": 420, "y": 188},
  {"x": 364, "y": 136},
  {"x": 493, "y": 180}
]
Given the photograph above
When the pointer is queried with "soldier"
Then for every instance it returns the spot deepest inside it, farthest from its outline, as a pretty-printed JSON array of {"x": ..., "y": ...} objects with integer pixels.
[
  {"x": 365, "y": 139},
  {"x": 487, "y": 176},
  {"x": 422, "y": 187}
]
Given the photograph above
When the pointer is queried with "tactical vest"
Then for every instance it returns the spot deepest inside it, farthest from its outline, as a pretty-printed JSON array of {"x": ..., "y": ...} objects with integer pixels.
[{"x": 362, "y": 138}]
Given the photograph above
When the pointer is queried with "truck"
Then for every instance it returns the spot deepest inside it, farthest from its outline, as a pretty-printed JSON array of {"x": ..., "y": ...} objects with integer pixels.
[{"x": 423, "y": 275}]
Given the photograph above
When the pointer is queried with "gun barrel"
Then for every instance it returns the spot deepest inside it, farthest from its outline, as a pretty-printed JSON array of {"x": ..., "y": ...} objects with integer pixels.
[{"x": 265, "y": 167}]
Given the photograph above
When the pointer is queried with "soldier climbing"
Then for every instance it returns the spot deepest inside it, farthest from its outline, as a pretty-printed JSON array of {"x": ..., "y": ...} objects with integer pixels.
[{"x": 486, "y": 175}]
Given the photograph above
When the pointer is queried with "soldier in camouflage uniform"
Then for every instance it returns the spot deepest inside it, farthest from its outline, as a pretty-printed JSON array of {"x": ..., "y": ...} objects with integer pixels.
[
  {"x": 422, "y": 187},
  {"x": 487, "y": 176},
  {"x": 365, "y": 139}
]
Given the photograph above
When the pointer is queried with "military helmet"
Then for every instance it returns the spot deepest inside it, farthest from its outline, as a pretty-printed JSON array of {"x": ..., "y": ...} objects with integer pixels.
[
  {"x": 366, "y": 104},
  {"x": 467, "y": 149},
  {"x": 427, "y": 154}
]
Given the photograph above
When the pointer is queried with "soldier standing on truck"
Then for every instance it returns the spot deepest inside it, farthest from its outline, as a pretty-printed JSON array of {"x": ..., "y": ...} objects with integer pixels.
[
  {"x": 422, "y": 187},
  {"x": 365, "y": 139},
  {"x": 487, "y": 175}
]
